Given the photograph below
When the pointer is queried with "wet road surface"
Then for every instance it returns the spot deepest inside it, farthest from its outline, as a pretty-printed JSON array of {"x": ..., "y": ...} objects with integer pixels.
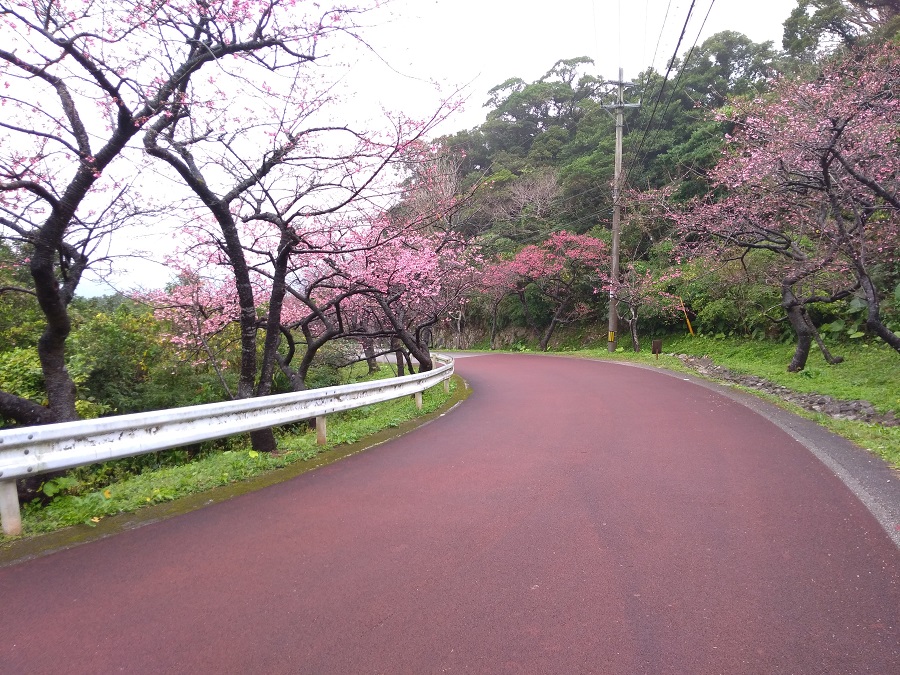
[{"x": 569, "y": 517}]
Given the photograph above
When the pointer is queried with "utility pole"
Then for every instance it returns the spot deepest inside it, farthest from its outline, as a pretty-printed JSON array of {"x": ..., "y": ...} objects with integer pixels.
[{"x": 619, "y": 107}]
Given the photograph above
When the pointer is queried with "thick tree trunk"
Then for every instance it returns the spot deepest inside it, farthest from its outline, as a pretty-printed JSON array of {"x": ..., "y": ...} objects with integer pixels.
[
  {"x": 877, "y": 326},
  {"x": 397, "y": 348},
  {"x": 548, "y": 333},
  {"x": 413, "y": 346},
  {"x": 369, "y": 351},
  {"x": 54, "y": 301},
  {"x": 556, "y": 319},
  {"x": 235, "y": 252},
  {"x": 57, "y": 382},
  {"x": 873, "y": 313},
  {"x": 801, "y": 326},
  {"x": 298, "y": 382},
  {"x": 54, "y": 298},
  {"x": 273, "y": 319}
]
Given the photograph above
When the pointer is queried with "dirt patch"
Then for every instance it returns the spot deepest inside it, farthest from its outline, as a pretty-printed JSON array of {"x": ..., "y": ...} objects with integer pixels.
[{"x": 861, "y": 411}]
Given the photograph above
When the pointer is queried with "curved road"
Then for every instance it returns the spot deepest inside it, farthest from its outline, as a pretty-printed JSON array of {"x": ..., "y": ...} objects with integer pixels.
[{"x": 570, "y": 517}]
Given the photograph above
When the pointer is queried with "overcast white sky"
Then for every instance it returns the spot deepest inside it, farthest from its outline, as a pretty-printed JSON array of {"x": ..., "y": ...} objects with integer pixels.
[
  {"x": 481, "y": 43},
  {"x": 484, "y": 42}
]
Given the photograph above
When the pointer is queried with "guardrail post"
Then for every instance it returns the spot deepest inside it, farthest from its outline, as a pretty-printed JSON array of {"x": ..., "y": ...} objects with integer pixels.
[
  {"x": 419, "y": 400},
  {"x": 321, "y": 430},
  {"x": 447, "y": 386},
  {"x": 10, "y": 515}
]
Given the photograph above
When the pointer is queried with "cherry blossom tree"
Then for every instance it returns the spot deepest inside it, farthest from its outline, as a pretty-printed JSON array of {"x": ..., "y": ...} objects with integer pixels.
[
  {"x": 811, "y": 174},
  {"x": 79, "y": 82},
  {"x": 566, "y": 270},
  {"x": 499, "y": 281},
  {"x": 307, "y": 191},
  {"x": 641, "y": 290},
  {"x": 416, "y": 281},
  {"x": 322, "y": 240},
  {"x": 198, "y": 309},
  {"x": 370, "y": 284}
]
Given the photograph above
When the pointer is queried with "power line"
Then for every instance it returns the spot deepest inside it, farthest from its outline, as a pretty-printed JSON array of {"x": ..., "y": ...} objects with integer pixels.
[
  {"x": 674, "y": 88},
  {"x": 662, "y": 87},
  {"x": 599, "y": 189}
]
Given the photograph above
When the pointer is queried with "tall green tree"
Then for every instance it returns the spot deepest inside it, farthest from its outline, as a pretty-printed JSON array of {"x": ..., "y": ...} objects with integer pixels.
[{"x": 822, "y": 25}]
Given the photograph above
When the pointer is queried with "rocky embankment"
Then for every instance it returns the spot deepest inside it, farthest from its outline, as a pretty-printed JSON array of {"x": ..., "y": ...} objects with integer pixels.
[{"x": 862, "y": 411}]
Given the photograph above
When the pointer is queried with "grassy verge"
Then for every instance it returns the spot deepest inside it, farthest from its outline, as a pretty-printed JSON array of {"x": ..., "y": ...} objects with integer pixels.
[{"x": 240, "y": 463}]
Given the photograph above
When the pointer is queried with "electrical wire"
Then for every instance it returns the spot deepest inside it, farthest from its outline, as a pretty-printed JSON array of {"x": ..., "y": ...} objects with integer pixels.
[
  {"x": 674, "y": 88},
  {"x": 637, "y": 157},
  {"x": 662, "y": 89},
  {"x": 602, "y": 190}
]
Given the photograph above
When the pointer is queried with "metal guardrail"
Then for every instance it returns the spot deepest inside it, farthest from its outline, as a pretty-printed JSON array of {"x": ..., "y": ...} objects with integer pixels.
[{"x": 53, "y": 447}]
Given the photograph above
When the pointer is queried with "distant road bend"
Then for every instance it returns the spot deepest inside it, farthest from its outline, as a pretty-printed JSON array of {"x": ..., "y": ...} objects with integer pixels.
[{"x": 569, "y": 517}]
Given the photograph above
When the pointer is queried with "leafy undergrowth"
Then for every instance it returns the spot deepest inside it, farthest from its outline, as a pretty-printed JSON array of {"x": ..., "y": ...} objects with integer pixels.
[{"x": 71, "y": 506}]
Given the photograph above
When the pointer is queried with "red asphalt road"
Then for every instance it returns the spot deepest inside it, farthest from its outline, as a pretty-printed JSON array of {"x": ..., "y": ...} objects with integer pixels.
[{"x": 569, "y": 517}]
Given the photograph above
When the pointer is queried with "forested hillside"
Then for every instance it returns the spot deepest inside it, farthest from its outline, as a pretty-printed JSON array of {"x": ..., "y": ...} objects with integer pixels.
[
  {"x": 760, "y": 197},
  {"x": 759, "y": 190}
]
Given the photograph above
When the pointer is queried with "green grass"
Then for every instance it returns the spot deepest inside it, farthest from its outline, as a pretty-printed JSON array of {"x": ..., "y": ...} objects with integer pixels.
[
  {"x": 72, "y": 506},
  {"x": 870, "y": 372}
]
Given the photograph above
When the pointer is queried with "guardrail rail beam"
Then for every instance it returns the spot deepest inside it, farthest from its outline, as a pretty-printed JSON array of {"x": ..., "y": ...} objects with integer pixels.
[{"x": 56, "y": 447}]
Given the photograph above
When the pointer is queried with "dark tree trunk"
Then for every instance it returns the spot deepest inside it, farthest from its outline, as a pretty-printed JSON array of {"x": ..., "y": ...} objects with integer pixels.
[
  {"x": 857, "y": 254},
  {"x": 297, "y": 381},
  {"x": 57, "y": 382},
  {"x": 50, "y": 249},
  {"x": 873, "y": 313},
  {"x": 23, "y": 411},
  {"x": 802, "y": 328},
  {"x": 418, "y": 347},
  {"x": 414, "y": 346},
  {"x": 273, "y": 318},
  {"x": 397, "y": 348},
  {"x": 233, "y": 249},
  {"x": 548, "y": 333},
  {"x": 264, "y": 439},
  {"x": 54, "y": 298},
  {"x": 369, "y": 350},
  {"x": 556, "y": 319}
]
